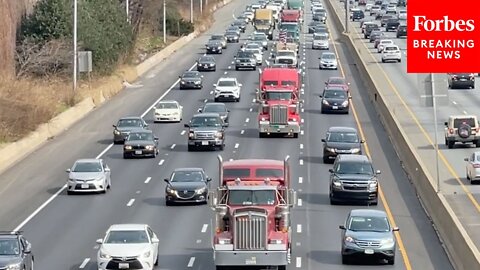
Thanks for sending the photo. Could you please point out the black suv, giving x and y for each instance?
(15, 251)
(392, 24)
(369, 28)
(245, 60)
(401, 31)
(353, 179)
(357, 15)
(341, 140)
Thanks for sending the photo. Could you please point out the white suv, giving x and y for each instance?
(391, 53)
(320, 42)
(227, 89)
(128, 246)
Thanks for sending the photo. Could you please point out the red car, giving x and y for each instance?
(338, 82)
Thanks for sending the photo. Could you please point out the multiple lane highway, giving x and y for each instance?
(462, 196)
(63, 229)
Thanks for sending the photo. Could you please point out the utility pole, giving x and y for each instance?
(191, 11)
(75, 46)
(347, 17)
(164, 21)
(201, 6)
(432, 78)
(127, 9)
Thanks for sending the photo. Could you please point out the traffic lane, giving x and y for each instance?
(23, 177)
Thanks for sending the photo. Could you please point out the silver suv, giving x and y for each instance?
(15, 251)
(462, 128)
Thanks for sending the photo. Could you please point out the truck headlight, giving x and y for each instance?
(224, 241)
(200, 190)
(373, 186)
(16, 266)
(336, 183)
(219, 135)
(276, 241)
(104, 255)
(191, 135)
(128, 147)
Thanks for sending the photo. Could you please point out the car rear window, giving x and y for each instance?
(468, 121)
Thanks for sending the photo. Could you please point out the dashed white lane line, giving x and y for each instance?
(173, 146)
(211, 92)
(302, 120)
(84, 263)
(205, 100)
(191, 262)
(236, 146)
(242, 131)
(298, 262)
(225, 72)
(299, 202)
(454, 102)
(229, 67)
(301, 132)
(300, 161)
(253, 100)
(247, 120)
(299, 228)
(199, 241)
(303, 110)
(250, 110)
(130, 203)
(465, 112)
(204, 228)
(104, 151)
(300, 179)
(161, 162)
(233, 62)
(301, 146)
(182, 133)
(148, 180)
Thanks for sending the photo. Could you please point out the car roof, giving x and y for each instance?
(214, 104)
(87, 160)
(358, 158)
(167, 101)
(336, 78)
(127, 227)
(131, 118)
(227, 79)
(188, 169)
(141, 131)
(206, 115)
(342, 129)
(367, 212)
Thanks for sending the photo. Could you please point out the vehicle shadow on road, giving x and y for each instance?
(313, 159)
(178, 148)
(326, 256)
(315, 198)
(105, 141)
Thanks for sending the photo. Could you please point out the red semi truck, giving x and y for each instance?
(291, 15)
(252, 214)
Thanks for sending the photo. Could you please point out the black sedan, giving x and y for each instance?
(461, 80)
(191, 80)
(232, 36)
(335, 99)
(240, 24)
(187, 185)
(140, 144)
(216, 107)
(206, 63)
(214, 46)
(340, 140)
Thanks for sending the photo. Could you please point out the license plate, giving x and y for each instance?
(279, 126)
(138, 152)
(369, 251)
(335, 107)
(123, 265)
(251, 261)
(463, 79)
(85, 185)
(204, 142)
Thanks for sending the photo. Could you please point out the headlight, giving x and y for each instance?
(191, 135)
(386, 241)
(345, 103)
(128, 147)
(349, 239)
(147, 254)
(171, 191)
(182, 82)
(219, 135)
(104, 255)
(201, 190)
(373, 185)
(212, 64)
(355, 150)
(238, 61)
(116, 132)
(325, 102)
(219, 48)
(330, 149)
(15, 266)
(224, 241)
(337, 183)
(197, 82)
(149, 147)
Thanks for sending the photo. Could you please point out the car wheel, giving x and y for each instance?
(383, 60)
(262, 134)
(254, 68)
(282, 267)
(156, 260)
(468, 177)
(69, 192)
(222, 147)
(190, 148)
(451, 144)
(168, 203)
(345, 259)
(326, 159)
(236, 68)
(477, 143)
(391, 261)
(295, 135)
(333, 201)
(375, 202)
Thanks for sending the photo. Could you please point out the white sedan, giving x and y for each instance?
(473, 167)
(383, 43)
(167, 111)
(391, 53)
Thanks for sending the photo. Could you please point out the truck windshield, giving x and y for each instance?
(279, 95)
(251, 197)
(286, 54)
(262, 22)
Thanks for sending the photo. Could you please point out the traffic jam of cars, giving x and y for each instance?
(270, 33)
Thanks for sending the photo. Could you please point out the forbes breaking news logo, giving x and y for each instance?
(443, 38)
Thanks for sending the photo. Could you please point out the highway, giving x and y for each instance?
(463, 197)
(63, 229)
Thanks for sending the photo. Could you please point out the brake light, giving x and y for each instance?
(450, 130)
(476, 165)
(454, 77)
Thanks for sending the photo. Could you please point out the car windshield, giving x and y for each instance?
(187, 176)
(328, 56)
(347, 137)
(244, 55)
(127, 237)
(320, 37)
(391, 48)
(206, 59)
(129, 123)
(190, 75)
(336, 81)
(369, 224)
(231, 33)
(340, 94)
(215, 108)
(216, 37)
(87, 167)
(9, 247)
(251, 197)
(140, 136)
(259, 38)
(228, 83)
(167, 105)
(203, 121)
(279, 95)
(354, 168)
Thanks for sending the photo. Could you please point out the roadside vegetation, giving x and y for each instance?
(36, 83)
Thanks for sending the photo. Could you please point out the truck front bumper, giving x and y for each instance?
(251, 258)
(290, 127)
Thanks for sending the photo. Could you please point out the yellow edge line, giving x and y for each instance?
(417, 122)
(401, 246)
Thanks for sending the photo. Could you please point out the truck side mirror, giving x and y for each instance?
(323, 140)
(292, 197)
(186, 125)
(466, 159)
(446, 124)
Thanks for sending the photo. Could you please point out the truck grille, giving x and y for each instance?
(250, 232)
(368, 243)
(355, 185)
(278, 114)
(204, 135)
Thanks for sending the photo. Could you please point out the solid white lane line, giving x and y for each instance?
(104, 151)
(183, 132)
(247, 120)
(161, 162)
(298, 262)
(148, 180)
(84, 263)
(130, 203)
(299, 202)
(191, 262)
(242, 131)
(301, 146)
(204, 228)
(173, 146)
(236, 145)
(300, 179)
(300, 161)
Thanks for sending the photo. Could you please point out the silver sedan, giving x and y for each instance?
(473, 167)
(88, 175)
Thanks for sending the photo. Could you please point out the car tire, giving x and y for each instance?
(375, 202)
(168, 203)
(262, 134)
(254, 68)
(69, 192)
(346, 259)
(450, 144)
(295, 135)
(190, 148)
(383, 60)
(125, 156)
(477, 143)
(236, 68)
(391, 261)
(326, 160)
(282, 267)
(156, 261)
(333, 201)
(215, 99)
(399, 60)
(467, 176)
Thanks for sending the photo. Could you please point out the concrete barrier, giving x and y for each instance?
(461, 250)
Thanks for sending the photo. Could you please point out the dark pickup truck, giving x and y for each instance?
(401, 31)
(392, 24)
